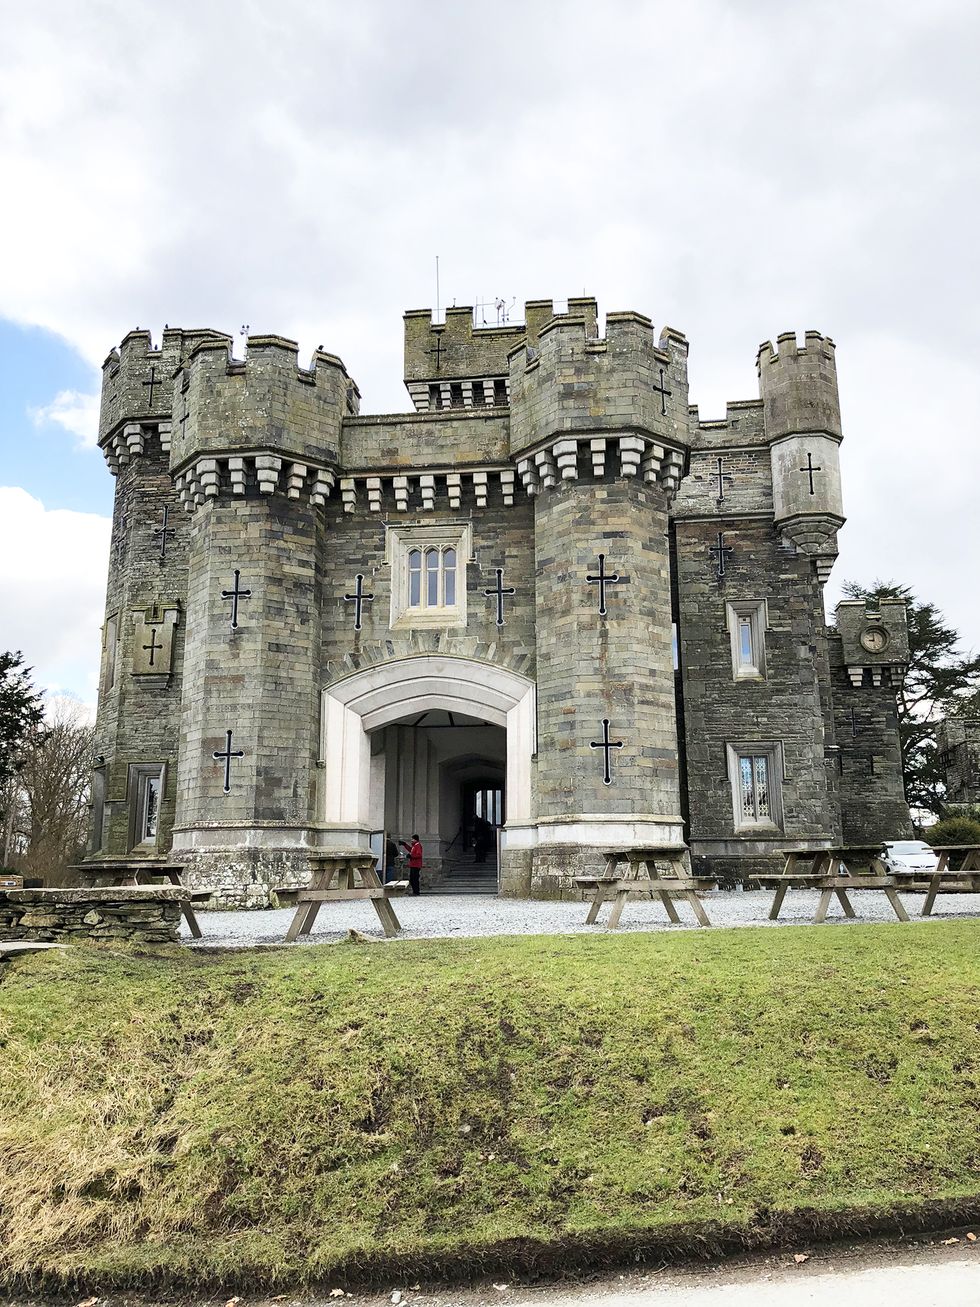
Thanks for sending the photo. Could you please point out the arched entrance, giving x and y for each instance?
(358, 709)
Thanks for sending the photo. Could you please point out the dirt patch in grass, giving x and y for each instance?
(471, 1106)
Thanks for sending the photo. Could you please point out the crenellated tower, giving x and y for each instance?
(599, 434)
(801, 412)
(134, 777)
(255, 455)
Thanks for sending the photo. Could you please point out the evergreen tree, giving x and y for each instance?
(20, 716)
(941, 681)
(20, 711)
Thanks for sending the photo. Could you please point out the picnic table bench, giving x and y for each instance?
(642, 877)
(340, 875)
(827, 870)
(942, 879)
(143, 873)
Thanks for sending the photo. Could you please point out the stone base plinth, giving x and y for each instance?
(149, 915)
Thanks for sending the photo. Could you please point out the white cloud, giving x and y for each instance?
(734, 170)
(74, 411)
(53, 566)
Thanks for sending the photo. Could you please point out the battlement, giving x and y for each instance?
(788, 348)
(798, 385)
(138, 379)
(626, 332)
(627, 381)
(265, 403)
(444, 359)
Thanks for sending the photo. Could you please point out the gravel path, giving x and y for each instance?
(440, 916)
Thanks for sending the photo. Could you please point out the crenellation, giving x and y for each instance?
(307, 606)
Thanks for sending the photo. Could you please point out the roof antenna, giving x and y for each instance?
(437, 288)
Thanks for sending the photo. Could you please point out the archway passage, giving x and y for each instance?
(436, 774)
(374, 726)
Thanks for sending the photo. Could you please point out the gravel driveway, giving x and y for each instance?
(439, 916)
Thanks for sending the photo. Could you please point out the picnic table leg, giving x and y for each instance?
(892, 896)
(617, 908)
(671, 910)
(777, 902)
(596, 904)
(822, 906)
(845, 903)
(191, 918)
(299, 924)
(930, 902)
(697, 908)
(386, 915)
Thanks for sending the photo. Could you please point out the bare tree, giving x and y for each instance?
(50, 808)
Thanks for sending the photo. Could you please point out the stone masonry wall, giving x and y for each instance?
(409, 441)
(352, 543)
(872, 791)
(616, 666)
(257, 679)
(105, 915)
(139, 711)
(785, 708)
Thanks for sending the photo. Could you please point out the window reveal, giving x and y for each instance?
(145, 795)
(149, 810)
(745, 642)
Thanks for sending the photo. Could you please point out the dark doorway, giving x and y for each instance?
(483, 813)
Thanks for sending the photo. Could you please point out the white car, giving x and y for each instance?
(909, 855)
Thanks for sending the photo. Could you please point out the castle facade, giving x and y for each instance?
(550, 599)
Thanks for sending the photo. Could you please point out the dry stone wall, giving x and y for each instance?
(107, 915)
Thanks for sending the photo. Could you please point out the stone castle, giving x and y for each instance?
(550, 597)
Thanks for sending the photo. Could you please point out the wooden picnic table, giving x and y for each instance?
(826, 870)
(343, 875)
(942, 880)
(142, 873)
(642, 877)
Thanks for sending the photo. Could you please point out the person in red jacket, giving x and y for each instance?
(414, 862)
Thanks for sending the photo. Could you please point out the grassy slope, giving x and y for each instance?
(283, 1115)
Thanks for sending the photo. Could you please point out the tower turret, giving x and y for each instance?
(264, 421)
(798, 387)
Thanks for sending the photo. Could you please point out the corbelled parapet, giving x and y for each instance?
(137, 390)
(583, 405)
(265, 422)
(801, 412)
(455, 364)
(874, 639)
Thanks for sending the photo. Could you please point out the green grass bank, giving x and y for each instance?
(446, 1108)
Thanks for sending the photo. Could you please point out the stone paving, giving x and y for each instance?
(457, 916)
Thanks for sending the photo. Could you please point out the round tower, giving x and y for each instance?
(599, 427)
(801, 411)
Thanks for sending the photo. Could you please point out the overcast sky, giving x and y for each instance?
(733, 169)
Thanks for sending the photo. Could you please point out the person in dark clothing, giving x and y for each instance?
(482, 839)
(414, 863)
(391, 859)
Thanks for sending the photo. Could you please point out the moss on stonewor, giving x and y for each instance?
(274, 1117)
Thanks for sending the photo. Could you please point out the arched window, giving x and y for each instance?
(414, 578)
(432, 577)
